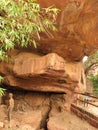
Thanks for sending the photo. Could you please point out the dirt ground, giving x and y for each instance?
(45, 113)
(29, 120)
(69, 121)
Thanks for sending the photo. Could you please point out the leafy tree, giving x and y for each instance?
(90, 66)
(21, 22)
(94, 79)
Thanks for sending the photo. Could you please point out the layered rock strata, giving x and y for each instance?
(56, 66)
(49, 73)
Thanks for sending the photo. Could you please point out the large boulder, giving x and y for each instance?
(49, 73)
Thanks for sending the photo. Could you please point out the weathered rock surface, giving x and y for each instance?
(68, 121)
(31, 110)
(76, 36)
(40, 111)
(77, 25)
(56, 65)
(51, 64)
(50, 73)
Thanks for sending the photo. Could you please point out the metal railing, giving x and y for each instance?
(90, 99)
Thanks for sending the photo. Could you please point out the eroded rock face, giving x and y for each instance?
(40, 111)
(49, 73)
(31, 110)
(54, 67)
(77, 25)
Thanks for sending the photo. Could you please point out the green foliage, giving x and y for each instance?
(1, 89)
(22, 21)
(94, 79)
(1, 79)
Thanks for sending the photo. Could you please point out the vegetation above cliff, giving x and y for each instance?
(21, 23)
(90, 68)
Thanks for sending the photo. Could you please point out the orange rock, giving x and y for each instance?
(77, 29)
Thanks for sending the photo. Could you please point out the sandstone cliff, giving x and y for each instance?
(55, 66)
